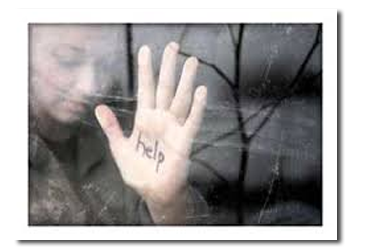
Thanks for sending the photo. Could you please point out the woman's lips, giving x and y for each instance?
(76, 106)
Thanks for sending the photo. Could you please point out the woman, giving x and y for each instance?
(83, 176)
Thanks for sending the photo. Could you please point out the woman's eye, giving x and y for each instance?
(69, 63)
(67, 58)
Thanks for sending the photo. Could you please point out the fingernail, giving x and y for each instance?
(201, 92)
(174, 46)
(144, 53)
(99, 110)
(193, 61)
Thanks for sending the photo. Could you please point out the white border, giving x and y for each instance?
(326, 232)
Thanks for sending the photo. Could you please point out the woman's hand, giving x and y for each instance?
(154, 159)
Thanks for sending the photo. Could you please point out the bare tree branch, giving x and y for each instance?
(130, 59)
(243, 165)
(233, 40)
(292, 86)
(303, 66)
(274, 104)
(211, 169)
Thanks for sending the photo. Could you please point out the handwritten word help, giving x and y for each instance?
(150, 152)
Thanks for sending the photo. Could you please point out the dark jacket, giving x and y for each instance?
(88, 190)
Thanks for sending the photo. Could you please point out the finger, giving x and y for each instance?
(195, 117)
(110, 125)
(181, 103)
(166, 82)
(146, 80)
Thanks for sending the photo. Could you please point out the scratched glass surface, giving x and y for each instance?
(257, 158)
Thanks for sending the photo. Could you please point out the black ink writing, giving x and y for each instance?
(150, 152)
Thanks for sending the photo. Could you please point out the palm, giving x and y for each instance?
(153, 160)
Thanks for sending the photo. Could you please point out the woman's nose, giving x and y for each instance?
(86, 84)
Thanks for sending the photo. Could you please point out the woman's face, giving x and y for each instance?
(70, 68)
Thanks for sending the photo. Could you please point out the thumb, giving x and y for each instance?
(110, 125)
